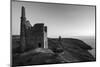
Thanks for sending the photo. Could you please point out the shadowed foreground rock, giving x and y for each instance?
(37, 56)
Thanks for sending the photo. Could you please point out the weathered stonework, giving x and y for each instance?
(32, 37)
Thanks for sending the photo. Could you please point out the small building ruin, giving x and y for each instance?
(32, 37)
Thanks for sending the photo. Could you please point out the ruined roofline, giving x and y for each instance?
(23, 15)
(38, 24)
(27, 22)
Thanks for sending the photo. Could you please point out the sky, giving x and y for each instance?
(64, 20)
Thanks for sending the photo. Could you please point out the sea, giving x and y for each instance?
(90, 40)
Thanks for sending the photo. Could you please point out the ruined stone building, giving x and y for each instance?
(32, 37)
(58, 50)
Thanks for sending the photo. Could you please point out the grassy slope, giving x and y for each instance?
(75, 50)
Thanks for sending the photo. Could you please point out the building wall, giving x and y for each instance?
(35, 36)
(45, 37)
(32, 37)
(22, 34)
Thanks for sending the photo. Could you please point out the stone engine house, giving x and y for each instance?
(32, 37)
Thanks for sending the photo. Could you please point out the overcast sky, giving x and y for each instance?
(64, 20)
